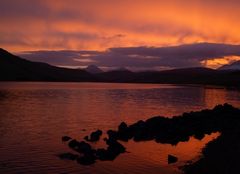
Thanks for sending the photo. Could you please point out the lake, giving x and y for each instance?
(34, 116)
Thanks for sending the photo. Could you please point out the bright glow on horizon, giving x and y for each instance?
(218, 62)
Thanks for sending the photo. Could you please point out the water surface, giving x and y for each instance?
(34, 116)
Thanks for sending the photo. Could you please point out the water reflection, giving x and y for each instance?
(157, 153)
(33, 117)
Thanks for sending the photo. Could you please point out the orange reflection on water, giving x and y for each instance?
(157, 153)
(41, 113)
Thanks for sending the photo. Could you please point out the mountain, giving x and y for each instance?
(93, 69)
(117, 75)
(232, 66)
(121, 69)
(196, 75)
(14, 68)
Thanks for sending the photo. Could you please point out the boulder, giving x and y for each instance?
(122, 127)
(66, 138)
(68, 156)
(87, 159)
(81, 147)
(95, 136)
(172, 159)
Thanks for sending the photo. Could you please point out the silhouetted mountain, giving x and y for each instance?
(184, 76)
(14, 68)
(233, 66)
(93, 69)
(118, 75)
(121, 69)
(196, 75)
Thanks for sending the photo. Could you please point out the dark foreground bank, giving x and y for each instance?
(219, 156)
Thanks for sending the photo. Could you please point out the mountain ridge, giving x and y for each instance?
(14, 68)
(93, 69)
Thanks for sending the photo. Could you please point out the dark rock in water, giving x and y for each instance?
(106, 154)
(102, 154)
(86, 138)
(95, 136)
(115, 146)
(223, 119)
(112, 134)
(66, 138)
(113, 150)
(68, 156)
(87, 159)
(81, 147)
(199, 136)
(123, 132)
(73, 143)
(172, 159)
(122, 127)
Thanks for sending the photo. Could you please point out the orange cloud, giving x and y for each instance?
(90, 25)
(218, 62)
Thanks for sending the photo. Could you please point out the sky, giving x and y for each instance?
(129, 33)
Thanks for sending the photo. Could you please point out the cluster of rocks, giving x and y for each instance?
(87, 155)
(179, 128)
(222, 118)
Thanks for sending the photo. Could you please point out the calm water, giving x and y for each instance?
(34, 116)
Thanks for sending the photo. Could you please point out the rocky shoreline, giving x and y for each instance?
(219, 156)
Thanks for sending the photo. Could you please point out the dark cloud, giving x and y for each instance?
(59, 58)
(23, 9)
(138, 57)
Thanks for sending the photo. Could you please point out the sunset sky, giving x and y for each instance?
(138, 34)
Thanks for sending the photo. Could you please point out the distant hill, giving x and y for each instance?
(121, 69)
(14, 68)
(196, 75)
(232, 66)
(118, 75)
(93, 69)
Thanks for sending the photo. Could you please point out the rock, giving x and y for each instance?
(81, 147)
(68, 156)
(122, 127)
(115, 146)
(103, 154)
(199, 136)
(172, 159)
(86, 138)
(113, 150)
(223, 118)
(73, 143)
(95, 136)
(112, 134)
(66, 138)
(87, 159)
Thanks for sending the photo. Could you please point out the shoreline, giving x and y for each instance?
(222, 118)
